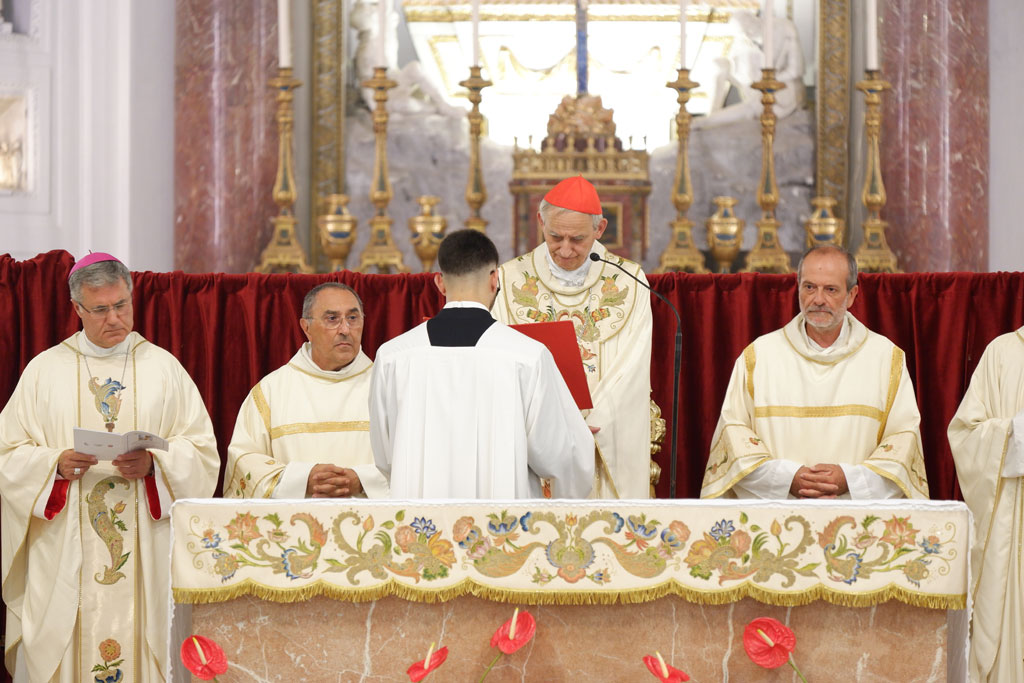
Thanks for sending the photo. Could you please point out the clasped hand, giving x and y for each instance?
(331, 481)
(819, 481)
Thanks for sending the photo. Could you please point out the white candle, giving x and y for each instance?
(284, 34)
(768, 32)
(382, 42)
(682, 33)
(476, 32)
(871, 35)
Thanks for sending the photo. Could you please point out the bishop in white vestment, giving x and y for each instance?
(987, 440)
(86, 542)
(820, 408)
(312, 411)
(612, 316)
(461, 406)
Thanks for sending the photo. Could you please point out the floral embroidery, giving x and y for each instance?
(109, 527)
(108, 671)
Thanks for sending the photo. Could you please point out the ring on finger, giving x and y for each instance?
(78, 470)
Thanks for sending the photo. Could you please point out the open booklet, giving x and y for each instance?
(560, 338)
(109, 445)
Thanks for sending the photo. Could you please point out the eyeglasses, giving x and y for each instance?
(102, 311)
(333, 321)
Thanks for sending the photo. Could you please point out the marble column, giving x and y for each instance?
(225, 149)
(935, 132)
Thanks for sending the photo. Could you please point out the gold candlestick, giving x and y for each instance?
(427, 230)
(767, 256)
(725, 233)
(874, 255)
(681, 254)
(284, 254)
(337, 230)
(476, 192)
(822, 226)
(381, 250)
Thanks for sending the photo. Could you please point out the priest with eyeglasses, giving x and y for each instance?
(86, 540)
(303, 431)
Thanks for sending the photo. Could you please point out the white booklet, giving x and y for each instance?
(109, 445)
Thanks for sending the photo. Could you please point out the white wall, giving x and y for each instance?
(1006, 135)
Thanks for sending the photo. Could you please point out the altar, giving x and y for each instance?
(359, 590)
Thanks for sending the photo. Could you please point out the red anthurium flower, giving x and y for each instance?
(514, 633)
(203, 657)
(419, 670)
(768, 642)
(665, 673)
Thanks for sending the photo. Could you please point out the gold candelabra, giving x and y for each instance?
(874, 255)
(476, 191)
(381, 251)
(767, 256)
(427, 231)
(337, 230)
(725, 233)
(681, 254)
(822, 226)
(284, 254)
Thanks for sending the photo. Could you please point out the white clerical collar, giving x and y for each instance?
(90, 349)
(839, 343)
(466, 304)
(569, 278)
(304, 357)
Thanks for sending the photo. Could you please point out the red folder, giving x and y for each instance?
(560, 338)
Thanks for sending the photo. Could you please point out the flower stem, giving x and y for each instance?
(792, 663)
(491, 666)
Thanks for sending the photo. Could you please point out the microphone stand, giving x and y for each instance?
(675, 375)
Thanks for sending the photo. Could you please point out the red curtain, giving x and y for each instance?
(228, 331)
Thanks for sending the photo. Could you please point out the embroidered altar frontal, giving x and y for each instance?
(783, 553)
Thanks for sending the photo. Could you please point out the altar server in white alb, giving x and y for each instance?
(822, 408)
(86, 542)
(304, 430)
(612, 316)
(987, 439)
(465, 407)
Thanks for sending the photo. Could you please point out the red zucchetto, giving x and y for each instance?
(575, 194)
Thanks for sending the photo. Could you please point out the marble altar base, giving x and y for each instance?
(373, 642)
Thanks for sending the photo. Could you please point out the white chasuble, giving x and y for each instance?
(85, 563)
(296, 417)
(612, 316)
(851, 405)
(984, 439)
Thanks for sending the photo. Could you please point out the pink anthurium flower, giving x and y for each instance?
(665, 673)
(511, 636)
(203, 657)
(419, 670)
(770, 643)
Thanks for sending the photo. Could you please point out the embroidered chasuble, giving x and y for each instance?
(853, 405)
(299, 416)
(987, 440)
(612, 316)
(484, 417)
(85, 568)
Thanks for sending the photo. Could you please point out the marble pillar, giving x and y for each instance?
(935, 132)
(225, 147)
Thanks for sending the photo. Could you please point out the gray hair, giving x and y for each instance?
(100, 274)
(548, 212)
(310, 298)
(851, 263)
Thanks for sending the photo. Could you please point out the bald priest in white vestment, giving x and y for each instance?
(822, 408)
(304, 430)
(86, 542)
(612, 316)
(987, 440)
(464, 407)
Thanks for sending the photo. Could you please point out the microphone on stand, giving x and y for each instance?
(675, 374)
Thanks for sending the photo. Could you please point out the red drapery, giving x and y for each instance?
(230, 330)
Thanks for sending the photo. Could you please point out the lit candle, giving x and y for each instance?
(476, 32)
(284, 34)
(768, 34)
(682, 33)
(382, 42)
(871, 35)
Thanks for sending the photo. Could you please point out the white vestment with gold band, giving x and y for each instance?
(852, 405)
(85, 571)
(299, 416)
(612, 316)
(987, 440)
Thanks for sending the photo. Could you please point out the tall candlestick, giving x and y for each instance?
(682, 33)
(382, 42)
(871, 35)
(768, 32)
(476, 32)
(284, 34)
